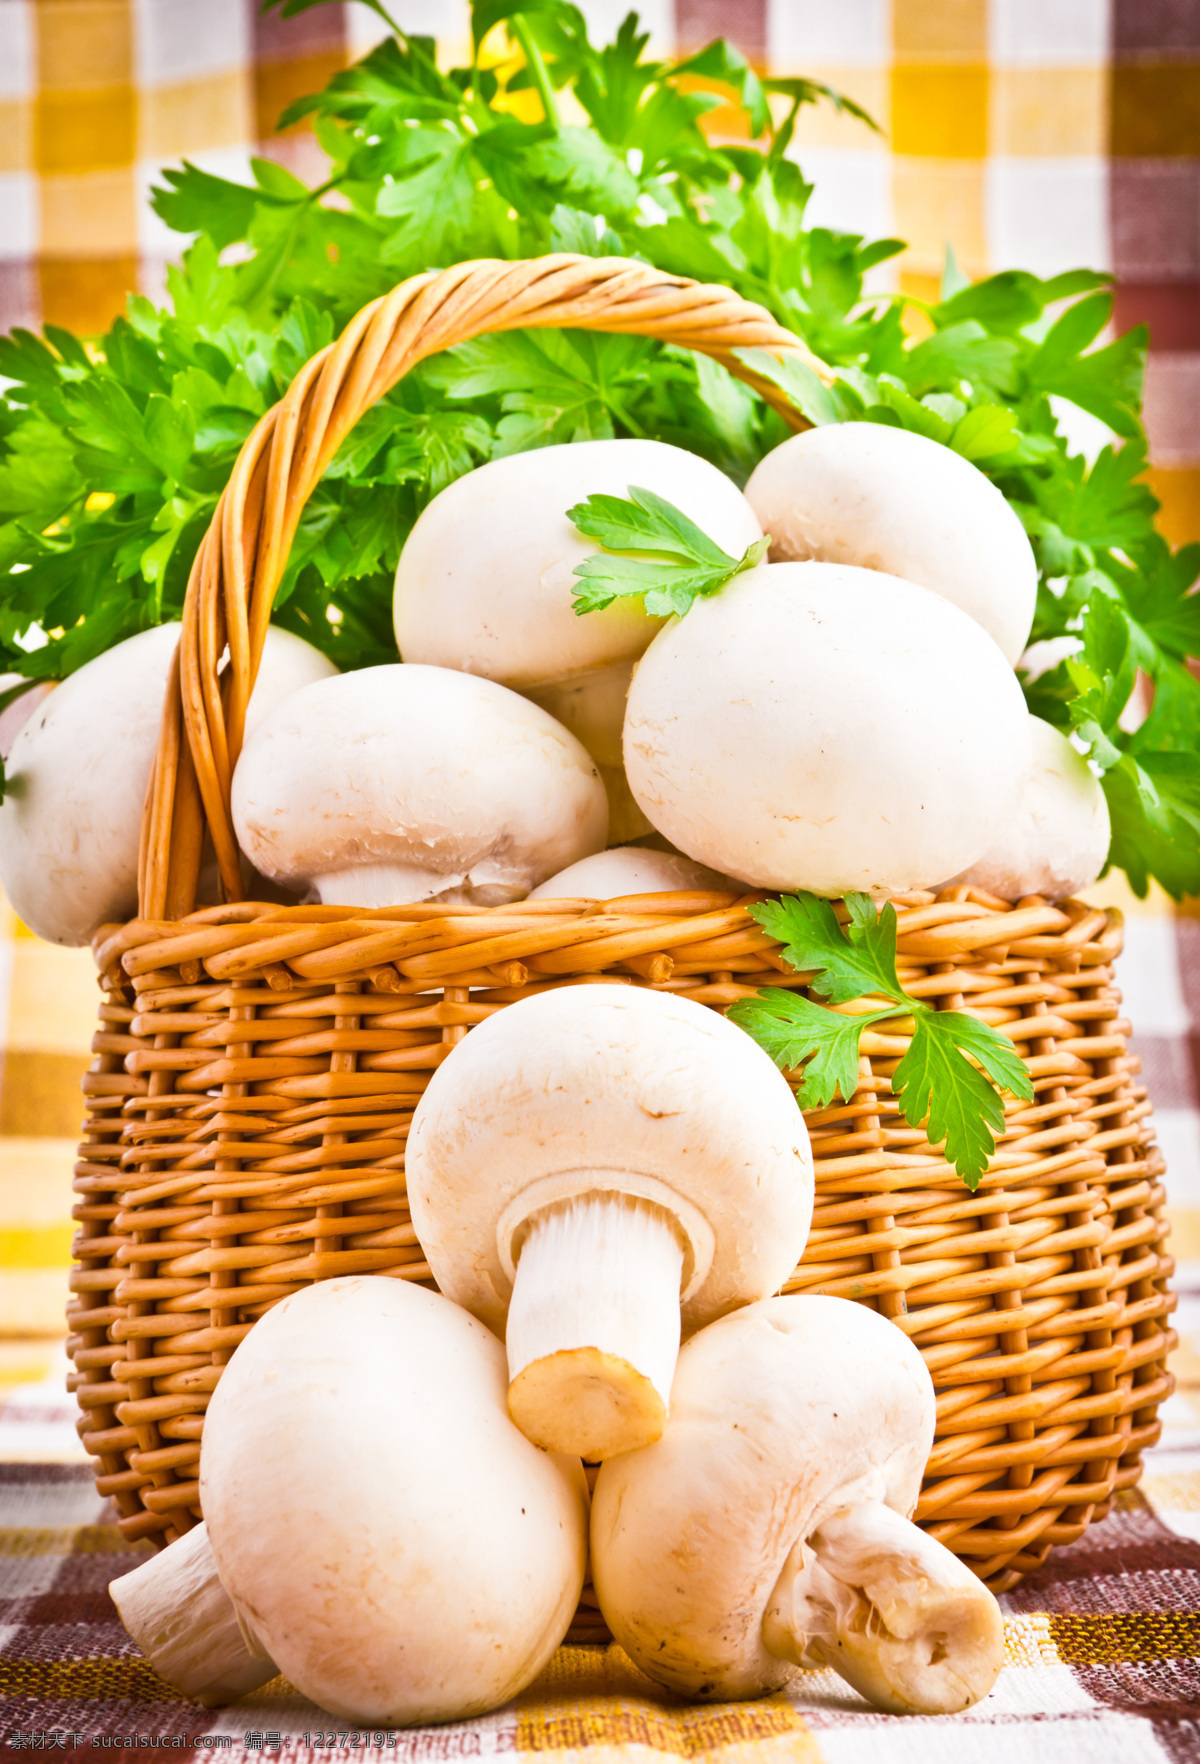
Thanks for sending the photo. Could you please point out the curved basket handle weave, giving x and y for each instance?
(243, 555)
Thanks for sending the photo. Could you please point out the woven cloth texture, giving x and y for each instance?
(1035, 133)
(1102, 1646)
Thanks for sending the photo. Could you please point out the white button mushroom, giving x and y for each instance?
(862, 493)
(631, 869)
(768, 1528)
(379, 1527)
(825, 727)
(404, 783)
(644, 1154)
(78, 774)
(1058, 838)
(15, 715)
(486, 579)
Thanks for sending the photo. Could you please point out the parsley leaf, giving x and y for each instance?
(941, 1090)
(947, 1080)
(794, 1030)
(845, 964)
(650, 548)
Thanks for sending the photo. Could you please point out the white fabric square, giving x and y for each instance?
(177, 40)
(1047, 215)
(604, 18)
(1049, 33)
(1149, 978)
(853, 191)
(852, 33)
(18, 212)
(18, 72)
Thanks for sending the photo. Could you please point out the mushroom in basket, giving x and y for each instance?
(1057, 841)
(632, 869)
(409, 783)
(887, 499)
(375, 1526)
(587, 1162)
(826, 727)
(503, 609)
(768, 1528)
(78, 771)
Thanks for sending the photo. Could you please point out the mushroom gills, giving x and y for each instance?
(594, 1324)
(891, 1610)
(176, 1609)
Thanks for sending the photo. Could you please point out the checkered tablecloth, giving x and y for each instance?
(1041, 134)
(1102, 1647)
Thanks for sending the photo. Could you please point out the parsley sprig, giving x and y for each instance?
(948, 1081)
(650, 548)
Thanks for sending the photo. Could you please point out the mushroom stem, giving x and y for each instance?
(184, 1621)
(891, 1610)
(593, 1327)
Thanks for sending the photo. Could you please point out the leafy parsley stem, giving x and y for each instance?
(537, 67)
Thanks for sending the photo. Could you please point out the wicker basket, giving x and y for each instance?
(257, 1066)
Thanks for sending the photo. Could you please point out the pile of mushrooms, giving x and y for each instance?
(396, 1515)
(611, 1183)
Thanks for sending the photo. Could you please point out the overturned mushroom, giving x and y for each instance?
(768, 1528)
(78, 772)
(1057, 839)
(376, 1524)
(819, 726)
(889, 500)
(631, 869)
(503, 609)
(648, 1156)
(406, 783)
(184, 1621)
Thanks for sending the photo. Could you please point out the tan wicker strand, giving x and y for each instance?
(256, 1067)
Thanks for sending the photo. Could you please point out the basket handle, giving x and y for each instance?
(242, 556)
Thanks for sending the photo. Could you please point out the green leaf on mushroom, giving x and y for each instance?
(651, 548)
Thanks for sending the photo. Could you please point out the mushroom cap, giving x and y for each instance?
(821, 726)
(1058, 837)
(79, 770)
(288, 664)
(889, 500)
(630, 869)
(391, 1539)
(781, 1414)
(423, 769)
(610, 1088)
(17, 714)
(486, 577)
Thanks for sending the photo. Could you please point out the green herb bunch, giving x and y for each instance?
(112, 455)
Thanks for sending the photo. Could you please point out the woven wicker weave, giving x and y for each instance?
(257, 1066)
